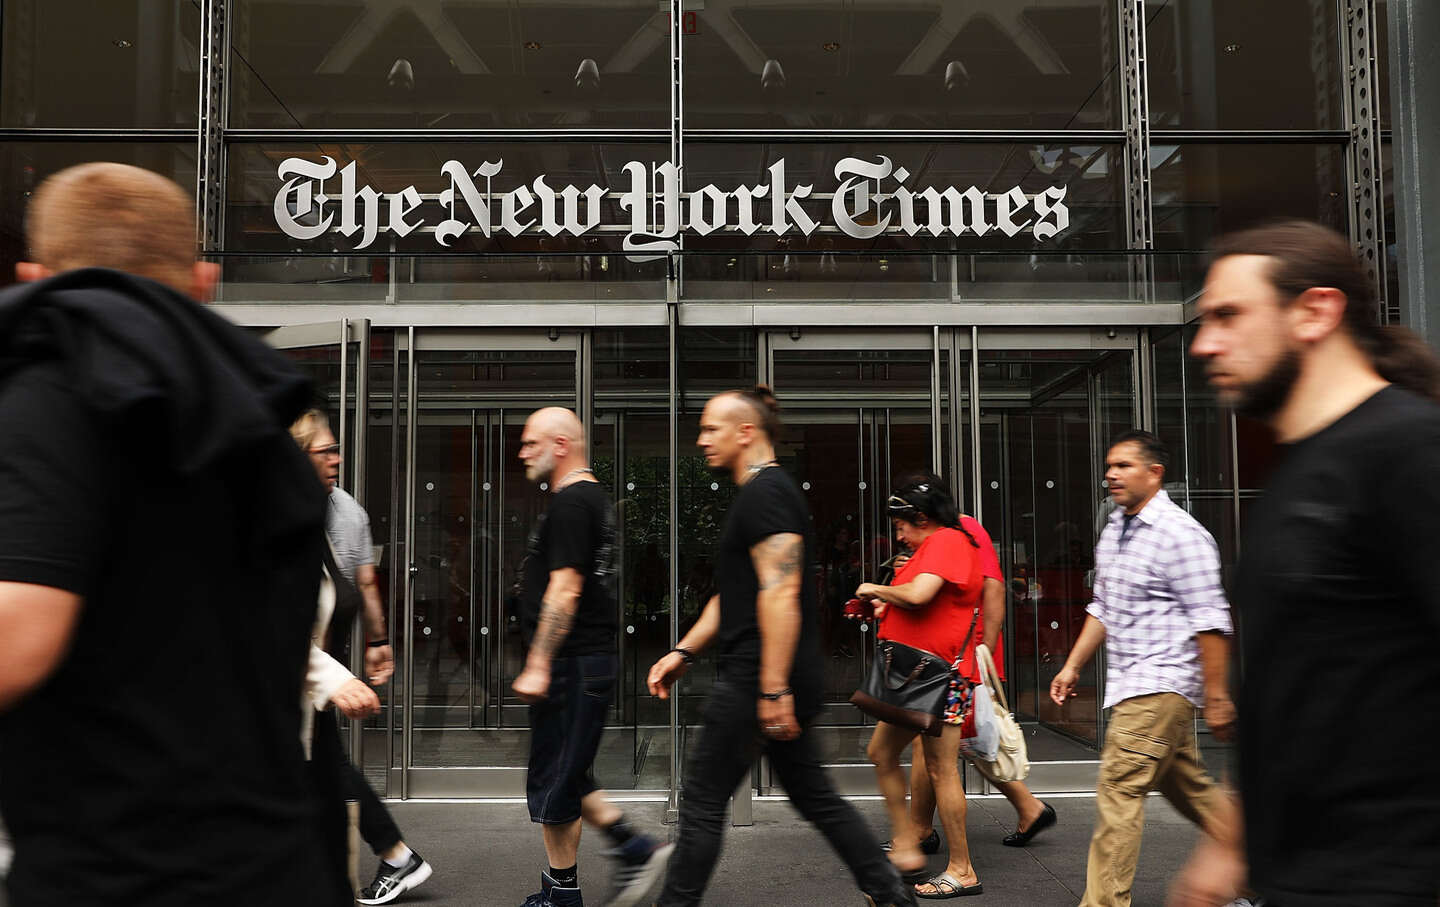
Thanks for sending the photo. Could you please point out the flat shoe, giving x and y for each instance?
(947, 886)
(1046, 819)
(930, 846)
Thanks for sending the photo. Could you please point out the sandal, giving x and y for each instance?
(947, 886)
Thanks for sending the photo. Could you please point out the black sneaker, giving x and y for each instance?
(552, 895)
(639, 864)
(390, 882)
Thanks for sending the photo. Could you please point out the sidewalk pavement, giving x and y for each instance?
(489, 855)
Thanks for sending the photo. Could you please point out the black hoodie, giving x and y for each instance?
(145, 464)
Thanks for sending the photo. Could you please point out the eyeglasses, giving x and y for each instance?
(332, 451)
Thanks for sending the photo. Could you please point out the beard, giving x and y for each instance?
(720, 470)
(540, 468)
(1263, 398)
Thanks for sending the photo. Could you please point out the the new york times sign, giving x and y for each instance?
(872, 198)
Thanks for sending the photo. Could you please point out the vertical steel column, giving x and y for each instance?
(399, 576)
(361, 329)
(975, 478)
(1142, 371)
(1139, 222)
(1362, 119)
(474, 545)
(412, 406)
(672, 305)
(937, 423)
(1414, 33)
(210, 140)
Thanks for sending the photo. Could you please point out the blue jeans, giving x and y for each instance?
(728, 746)
(565, 734)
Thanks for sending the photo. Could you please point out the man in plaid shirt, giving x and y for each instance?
(1159, 605)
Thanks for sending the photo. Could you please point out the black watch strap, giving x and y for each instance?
(685, 653)
(778, 694)
(377, 643)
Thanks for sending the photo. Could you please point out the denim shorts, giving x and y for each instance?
(565, 734)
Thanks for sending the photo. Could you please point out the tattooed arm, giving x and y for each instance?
(557, 616)
(779, 563)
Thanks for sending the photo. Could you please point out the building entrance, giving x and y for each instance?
(1015, 421)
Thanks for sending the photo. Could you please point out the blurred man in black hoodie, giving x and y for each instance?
(159, 536)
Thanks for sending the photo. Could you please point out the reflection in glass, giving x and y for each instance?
(874, 64)
(1202, 190)
(1046, 420)
(118, 63)
(379, 63)
(1209, 58)
(24, 165)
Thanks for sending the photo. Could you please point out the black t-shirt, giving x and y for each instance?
(577, 530)
(769, 504)
(1338, 602)
(160, 764)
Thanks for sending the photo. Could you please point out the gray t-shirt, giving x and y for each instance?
(348, 526)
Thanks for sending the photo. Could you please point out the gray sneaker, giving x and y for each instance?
(639, 866)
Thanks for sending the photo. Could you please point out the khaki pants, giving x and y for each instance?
(1150, 746)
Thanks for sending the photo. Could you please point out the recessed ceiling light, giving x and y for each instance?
(122, 43)
(1232, 48)
(532, 45)
(831, 46)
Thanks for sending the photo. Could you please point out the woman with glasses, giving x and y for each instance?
(933, 604)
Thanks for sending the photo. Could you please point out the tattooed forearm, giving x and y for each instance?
(554, 626)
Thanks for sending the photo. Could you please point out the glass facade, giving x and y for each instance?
(920, 222)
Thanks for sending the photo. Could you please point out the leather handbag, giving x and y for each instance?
(1012, 759)
(907, 687)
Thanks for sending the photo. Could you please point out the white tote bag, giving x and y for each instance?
(1011, 761)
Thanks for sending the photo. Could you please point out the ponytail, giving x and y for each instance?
(1403, 359)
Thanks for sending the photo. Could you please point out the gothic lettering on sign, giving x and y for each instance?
(872, 198)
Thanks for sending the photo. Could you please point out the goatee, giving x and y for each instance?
(1263, 398)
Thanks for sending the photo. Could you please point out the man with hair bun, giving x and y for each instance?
(1336, 586)
(160, 543)
(769, 688)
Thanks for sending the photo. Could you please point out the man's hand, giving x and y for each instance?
(1220, 716)
(663, 674)
(533, 684)
(1063, 686)
(379, 664)
(1214, 876)
(356, 700)
(777, 717)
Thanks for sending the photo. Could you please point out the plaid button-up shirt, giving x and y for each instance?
(1154, 590)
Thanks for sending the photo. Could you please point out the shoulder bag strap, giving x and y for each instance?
(990, 675)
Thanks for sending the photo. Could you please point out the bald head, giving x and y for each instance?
(552, 444)
(558, 422)
(113, 216)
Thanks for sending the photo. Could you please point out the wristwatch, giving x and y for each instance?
(777, 695)
(685, 654)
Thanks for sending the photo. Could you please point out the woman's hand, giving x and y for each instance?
(868, 590)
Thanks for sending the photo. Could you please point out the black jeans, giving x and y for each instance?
(728, 746)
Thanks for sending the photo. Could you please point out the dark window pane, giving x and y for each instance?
(1239, 64)
(1392, 232)
(24, 165)
(1382, 59)
(372, 63)
(120, 63)
(935, 64)
(1202, 190)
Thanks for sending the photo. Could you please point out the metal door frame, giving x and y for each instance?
(344, 332)
(472, 780)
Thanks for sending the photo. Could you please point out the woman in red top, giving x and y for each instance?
(934, 605)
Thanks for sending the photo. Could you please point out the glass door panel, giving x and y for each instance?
(464, 732)
(859, 417)
(1046, 417)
